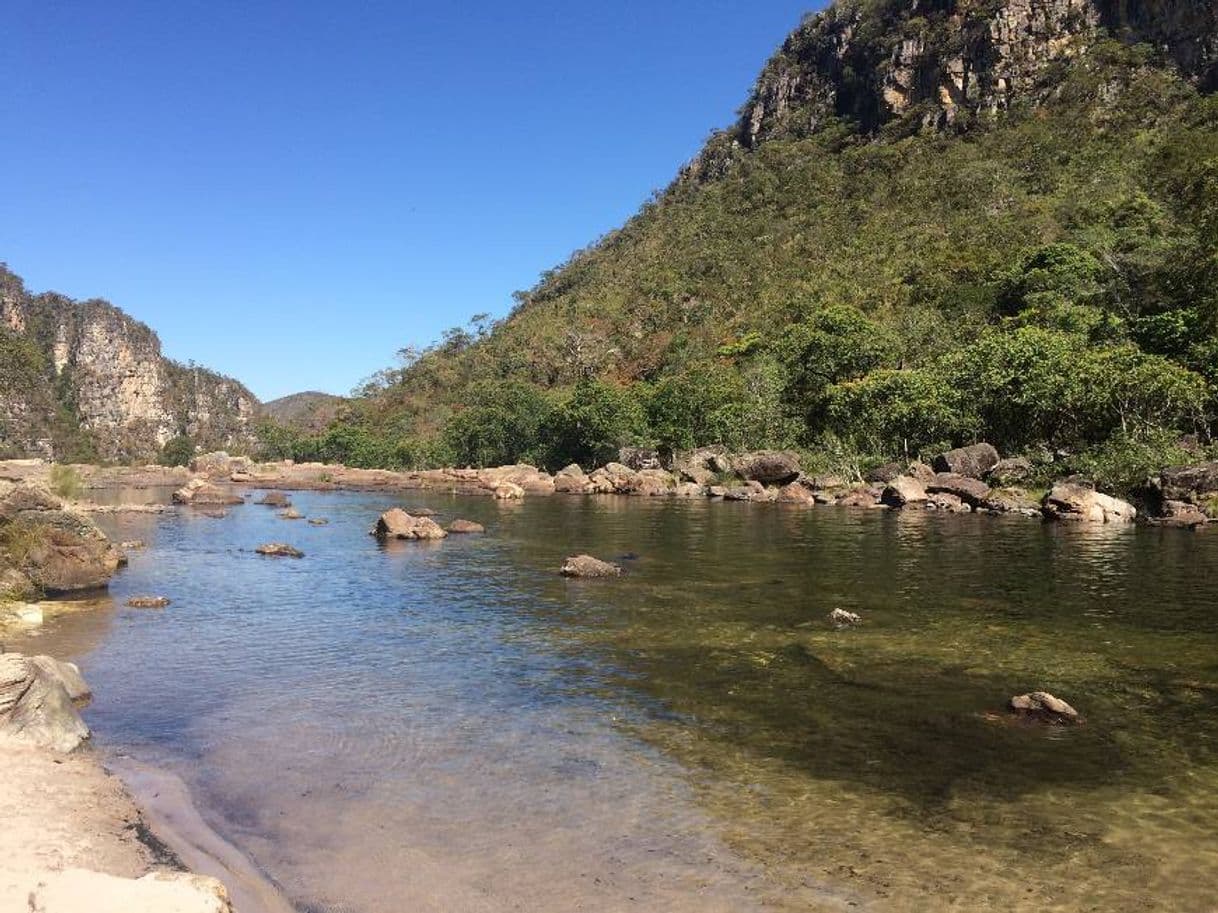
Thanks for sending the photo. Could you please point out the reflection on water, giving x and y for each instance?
(453, 727)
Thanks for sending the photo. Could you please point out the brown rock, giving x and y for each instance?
(275, 499)
(587, 566)
(148, 602)
(796, 493)
(279, 550)
(1043, 706)
(903, 490)
(969, 490)
(769, 467)
(466, 526)
(198, 493)
(397, 524)
(973, 462)
(1072, 502)
(1009, 472)
(866, 496)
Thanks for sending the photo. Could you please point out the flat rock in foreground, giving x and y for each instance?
(587, 566)
(36, 702)
(77, 890)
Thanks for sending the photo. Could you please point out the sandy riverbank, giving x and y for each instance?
(76, 838)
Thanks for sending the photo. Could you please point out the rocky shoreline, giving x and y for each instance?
(971, 479)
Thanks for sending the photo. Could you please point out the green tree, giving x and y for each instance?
(591, 424)
(178, 451)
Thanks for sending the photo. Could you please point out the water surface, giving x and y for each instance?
(452, 726)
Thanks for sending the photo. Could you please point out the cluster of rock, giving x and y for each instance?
(965, 480)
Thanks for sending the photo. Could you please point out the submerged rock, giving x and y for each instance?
(148, 602)
(319, 521)
(508, 491)
(1073, 502)
(397, 524)
(36, 701)
(1043, 706)
(279, 550)
(587, 566)
(465, 526)
(275, 499)
(290, 514)
(840, 618)
(132, 545)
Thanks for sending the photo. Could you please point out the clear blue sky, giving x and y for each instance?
(289, 192)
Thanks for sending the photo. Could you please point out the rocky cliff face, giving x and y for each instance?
(88, 377)
(939, 63)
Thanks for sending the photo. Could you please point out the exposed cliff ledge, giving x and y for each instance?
(938, 63)
(85, 376)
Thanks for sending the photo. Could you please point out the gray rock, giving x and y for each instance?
(1072, 502)
(36, 705)
(587, 566)
(974, 461)
(903, 490)
(769, 467)
(279, 550)
(1043, 706)
(1009, 472)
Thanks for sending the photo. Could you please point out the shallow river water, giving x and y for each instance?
(453, 727)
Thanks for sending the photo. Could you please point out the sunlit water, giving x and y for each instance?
(453, 727)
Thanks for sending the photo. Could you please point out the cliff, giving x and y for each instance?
(82, 380)
(946, 63)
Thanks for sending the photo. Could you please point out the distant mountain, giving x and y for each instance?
(310, 411)
(81, 380)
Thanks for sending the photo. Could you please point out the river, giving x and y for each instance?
(453, 727)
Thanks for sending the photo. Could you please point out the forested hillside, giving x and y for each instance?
(933, 223)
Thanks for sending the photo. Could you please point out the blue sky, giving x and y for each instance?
(289, 192)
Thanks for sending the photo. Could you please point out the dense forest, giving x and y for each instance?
(864, 281)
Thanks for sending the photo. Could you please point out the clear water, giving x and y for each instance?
(452, 726)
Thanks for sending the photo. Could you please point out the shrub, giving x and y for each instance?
(502, 424)
(178, 451)
(591, 424)
(66, 482)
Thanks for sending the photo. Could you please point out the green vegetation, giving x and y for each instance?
(20, 539)
(66, 482)
(1046, 280)
(178, 451)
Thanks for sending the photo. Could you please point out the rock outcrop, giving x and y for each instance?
(1072, 502)
(90, 361)
(935, 65)
(55, 549)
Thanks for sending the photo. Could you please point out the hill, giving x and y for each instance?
(932, 223)
(310, 411)
(81, 381)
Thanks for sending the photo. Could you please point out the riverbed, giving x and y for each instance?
(451, 726)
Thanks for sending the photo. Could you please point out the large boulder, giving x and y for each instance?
(201, 493)
(587, 566)
(883, 474)
(36, 701)
(796, 493)
(397, 524)
(769, 467)
(972, 492)
(650, 483)
(1181, 514)
(1189, 483)
(571, 480)
(702, 466)
(1073, 502)
(1009, 472)
(639, 458)
(973, 462)
(902, 491)
(56, 550)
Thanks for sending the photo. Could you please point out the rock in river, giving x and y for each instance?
(973, 462)
(279, 550)
(148, 602)
(840, 618)
(397, 524)
(466, 526)
(275, 499)
(587, 566)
